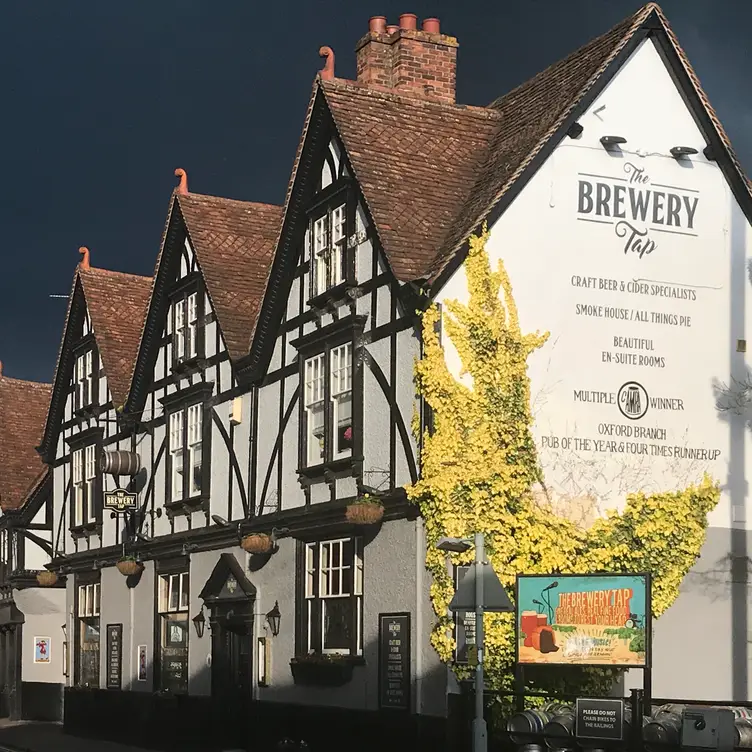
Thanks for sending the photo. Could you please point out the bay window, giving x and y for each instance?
(185, 440)
(85, 485)
(172, 615)
(328, 250)
(185, 321)
(88, 627)
(328, 405)
(85, 370)
(332, 610)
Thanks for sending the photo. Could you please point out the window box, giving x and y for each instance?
(365, 510)
(128, 566)
(322, 670)
(256, 543)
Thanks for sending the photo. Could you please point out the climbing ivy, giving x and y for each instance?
(479, 469)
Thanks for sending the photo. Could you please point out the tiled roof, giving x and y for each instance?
(117, 305)
(432, 173)
(234, 242)
(416, 162)
(23, 409)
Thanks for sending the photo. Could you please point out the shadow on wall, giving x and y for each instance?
(193, 723)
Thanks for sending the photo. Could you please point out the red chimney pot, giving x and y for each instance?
(392, 28)
(408, 21)
(431, 26)
(377, 24)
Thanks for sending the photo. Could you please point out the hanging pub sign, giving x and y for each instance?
(120, 500)
(394, 661)
(585, 620)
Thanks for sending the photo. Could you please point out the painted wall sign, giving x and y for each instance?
(114, 656)
(120, 500)
(395, 678)
(599, 719)
(142, 663)
(583, 619)
(41, 650)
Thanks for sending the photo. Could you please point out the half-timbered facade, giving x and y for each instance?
(32, 638)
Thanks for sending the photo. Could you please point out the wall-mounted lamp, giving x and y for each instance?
(682, 151)
(199, 622)
(609, 142)
(273, 618)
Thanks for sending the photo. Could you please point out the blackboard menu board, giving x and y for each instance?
(394, 661)
(114, 655)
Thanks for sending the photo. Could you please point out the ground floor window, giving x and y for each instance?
(87, 645)
(173, 632)
(332, 610)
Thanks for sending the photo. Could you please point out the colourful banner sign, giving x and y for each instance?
(586, 620)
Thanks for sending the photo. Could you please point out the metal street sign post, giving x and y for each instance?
(480, 590)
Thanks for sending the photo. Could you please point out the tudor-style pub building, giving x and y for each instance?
(221, 501)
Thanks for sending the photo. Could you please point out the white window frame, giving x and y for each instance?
(174, 586)
(315, 382)
(89, 600)
(328, 246)
(186, 447)
(84, 379)
(84, 484)
(340, 365)
(88, 611)
(185, 320)
(318, 588)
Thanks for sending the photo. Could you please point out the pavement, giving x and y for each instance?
(20, 736)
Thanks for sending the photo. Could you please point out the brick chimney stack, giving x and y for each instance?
(410, 61)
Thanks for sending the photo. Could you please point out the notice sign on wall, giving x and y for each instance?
(114, 655)
(600, 719)
(394, 661)
(587, 620)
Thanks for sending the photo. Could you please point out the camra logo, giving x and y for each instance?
(632, 400)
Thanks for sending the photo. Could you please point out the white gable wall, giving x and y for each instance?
(667, 319)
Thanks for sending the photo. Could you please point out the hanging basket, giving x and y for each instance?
(256, 543)
(364, 512)
(129, 567)
(46, 578)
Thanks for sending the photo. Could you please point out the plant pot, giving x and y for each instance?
(256, 543)
(46, 578)
(364, 513)
(129, 567)
(321, 673)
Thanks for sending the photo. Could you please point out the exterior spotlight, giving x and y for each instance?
(454, 545)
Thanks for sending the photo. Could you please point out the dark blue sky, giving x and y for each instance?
(102, 100)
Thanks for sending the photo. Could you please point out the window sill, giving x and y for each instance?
(84, 531)
(187, 506)
(189, 366)
(331, 297)
(325, 470)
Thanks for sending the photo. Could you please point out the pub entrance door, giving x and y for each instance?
(230, 595)
(232, 640)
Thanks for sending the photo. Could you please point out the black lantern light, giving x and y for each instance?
(273, 618)
(199, 622)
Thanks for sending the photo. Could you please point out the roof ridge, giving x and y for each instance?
(25, 381)
(113, 272)
(225, 199)
(383, 92)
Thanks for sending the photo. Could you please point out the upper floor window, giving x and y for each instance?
(84, 377)
(186, 452)
(332, 618)
(186, 327)
(87, 644)
(85, 485)
(172, 613)
(328, 250)
(328, 405)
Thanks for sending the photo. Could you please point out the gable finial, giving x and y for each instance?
(327, 72)
(84, 263)
(182, 188)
